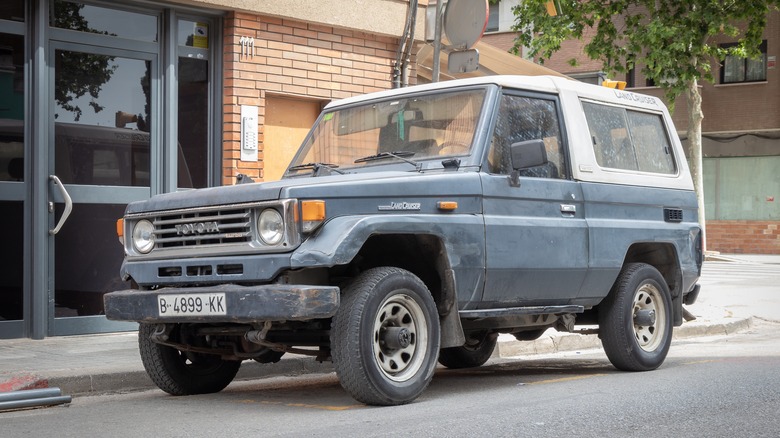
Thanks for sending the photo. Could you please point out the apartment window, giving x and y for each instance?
(735, 69)
(492, 25)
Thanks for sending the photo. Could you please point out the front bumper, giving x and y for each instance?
(242, 304)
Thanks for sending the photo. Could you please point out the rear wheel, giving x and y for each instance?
(635, 320)
(475, 352)
(385, 337)
(183, 373)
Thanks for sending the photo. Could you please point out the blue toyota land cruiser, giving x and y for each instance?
(415, 225)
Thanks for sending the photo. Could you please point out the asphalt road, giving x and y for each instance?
(716, 387)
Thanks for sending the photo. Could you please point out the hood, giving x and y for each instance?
(319, 187)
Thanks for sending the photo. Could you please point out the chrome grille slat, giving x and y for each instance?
(218, 226)
(199, 237)
(201, 218)
(221, 227)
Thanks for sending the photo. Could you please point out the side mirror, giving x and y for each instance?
(524, 155)
(529, 153)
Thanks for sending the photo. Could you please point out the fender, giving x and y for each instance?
(340, 239)
(463, 237)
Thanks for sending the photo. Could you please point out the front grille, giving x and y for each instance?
(203, 228)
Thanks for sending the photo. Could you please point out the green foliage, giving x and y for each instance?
(673, 41)
(78, 73)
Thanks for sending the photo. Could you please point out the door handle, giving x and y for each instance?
(568, 209)
(68, 204)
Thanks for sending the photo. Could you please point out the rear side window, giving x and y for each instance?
(629, 140)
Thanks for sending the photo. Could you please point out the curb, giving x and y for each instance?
(21, 382)
(129, 381)
(132, 379)
(555, 342)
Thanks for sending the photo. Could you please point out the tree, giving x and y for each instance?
(672, 41)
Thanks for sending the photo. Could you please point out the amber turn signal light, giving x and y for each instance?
(447, 205)
(312, 215)
(120, 230)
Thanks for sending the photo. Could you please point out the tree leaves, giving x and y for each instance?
(673, 42)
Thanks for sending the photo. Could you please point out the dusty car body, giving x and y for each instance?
(414, 226)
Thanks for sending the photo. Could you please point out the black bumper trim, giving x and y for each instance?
(243, 304)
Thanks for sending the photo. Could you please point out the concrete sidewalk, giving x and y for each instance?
(111, 362)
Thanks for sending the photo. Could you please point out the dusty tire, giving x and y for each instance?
(385, 337)
(477, 350)
(633, 339)
(181, 373)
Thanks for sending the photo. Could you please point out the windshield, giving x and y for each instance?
(420, 127)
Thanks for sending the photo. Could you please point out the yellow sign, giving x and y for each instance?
(200, 35)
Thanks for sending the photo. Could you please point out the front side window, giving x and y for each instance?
(629, 140)
(420, 127)
(735, 69)
(526, 118)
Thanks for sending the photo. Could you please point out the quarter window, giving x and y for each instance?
(629, 140)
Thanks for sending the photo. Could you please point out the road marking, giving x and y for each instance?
(564, 379)
(302, 405)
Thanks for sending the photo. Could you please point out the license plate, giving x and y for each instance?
(192, 304)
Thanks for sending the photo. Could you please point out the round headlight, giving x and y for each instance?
(270, 226)
(143, 236)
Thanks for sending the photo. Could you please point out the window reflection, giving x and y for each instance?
(12, 10)
(193, 74)
(102, 119)
(11, 107)
(193, 122)
(193, 34)
(11, 260)
(94, 19)
(87, 259)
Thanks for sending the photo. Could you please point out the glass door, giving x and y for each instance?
(12, 169)
(102, 155)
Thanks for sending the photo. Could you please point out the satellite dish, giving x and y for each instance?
(464, 23)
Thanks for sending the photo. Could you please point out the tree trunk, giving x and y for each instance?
(695, 117)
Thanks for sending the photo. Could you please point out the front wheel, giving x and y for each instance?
(385, 337)
(635, 320)
(183, 373)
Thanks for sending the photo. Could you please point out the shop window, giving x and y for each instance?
(193, 75)
(735, 69)
(12, 10)
(113, 22)
(12, 107)
(101, 119)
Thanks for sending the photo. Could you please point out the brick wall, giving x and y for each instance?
(743, 237)
(502, 40)
(294, 59)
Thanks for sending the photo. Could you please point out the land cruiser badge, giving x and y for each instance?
(400, 206)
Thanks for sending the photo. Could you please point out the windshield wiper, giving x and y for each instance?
(316, 167)
(396, 154)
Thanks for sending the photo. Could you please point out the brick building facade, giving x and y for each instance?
(295, 60)
(741, 139)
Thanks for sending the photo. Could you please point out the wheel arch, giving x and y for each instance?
(663, 257)
(424, 255)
